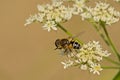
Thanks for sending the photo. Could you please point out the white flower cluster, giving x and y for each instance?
(78, 6)
(51, 14)
(88, 57)
(117, 0)
(102, 12)
(67, 63)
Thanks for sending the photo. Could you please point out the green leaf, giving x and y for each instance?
(117, 77)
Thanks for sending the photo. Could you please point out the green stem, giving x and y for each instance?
(112, 61)
(65, 30)
(111, 67)
(111, 45)
(100, 33)
(105, 40)
(69, 33)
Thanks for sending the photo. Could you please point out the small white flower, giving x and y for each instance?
(67, 64)
(95, 68)
(84, 58)
(105, 53)
(31, 19)
(50, 25)
(101, 5)
(57, 3)
(78, 61)
(41, 8)
(49, 7)
(117, 0)
(84, 67)
(67, 14)
(86, 15)
(78, 6)
(90, 62)
(40, 17)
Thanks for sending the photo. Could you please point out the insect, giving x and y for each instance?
(67, 44)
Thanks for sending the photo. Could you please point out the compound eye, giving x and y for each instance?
(76, 45)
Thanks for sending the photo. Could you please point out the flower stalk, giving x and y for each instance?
(106, 39)
(111, 45)
(68, 33)
(111, 67)
(112, 61)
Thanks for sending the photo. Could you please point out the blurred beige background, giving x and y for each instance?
(27, 53)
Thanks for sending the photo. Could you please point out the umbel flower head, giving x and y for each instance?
(117, 0)
(51, 14)
(101, 12)
(78, 6)
(88, 57)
